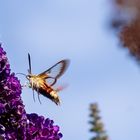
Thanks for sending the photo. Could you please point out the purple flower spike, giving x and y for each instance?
(15, 124)
(12, 114)
(41, 129)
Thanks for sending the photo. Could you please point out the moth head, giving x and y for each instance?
(28, 76)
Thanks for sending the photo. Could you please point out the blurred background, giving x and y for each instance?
(90, 34)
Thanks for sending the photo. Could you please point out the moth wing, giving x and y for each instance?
(50, 81)
(53, 73)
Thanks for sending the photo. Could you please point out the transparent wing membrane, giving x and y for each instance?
(50, 81)
(55, 71)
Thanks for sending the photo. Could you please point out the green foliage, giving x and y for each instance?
(97, 126)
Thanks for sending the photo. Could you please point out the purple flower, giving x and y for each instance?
(15, 124)
(41, 129)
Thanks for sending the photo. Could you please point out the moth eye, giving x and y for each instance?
(28, 76)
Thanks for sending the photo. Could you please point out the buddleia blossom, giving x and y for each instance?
(15, 123)
(39, 128)
(12, 113)
(97, 126)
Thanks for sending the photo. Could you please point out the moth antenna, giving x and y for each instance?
(29, 59)
(21, 74)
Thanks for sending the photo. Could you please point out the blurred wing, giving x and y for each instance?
(55, 71)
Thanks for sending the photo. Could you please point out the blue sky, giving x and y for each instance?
(100, 70)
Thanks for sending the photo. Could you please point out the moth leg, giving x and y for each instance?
(31, 85)
(38, 93)
(33, 95)
(39, 98)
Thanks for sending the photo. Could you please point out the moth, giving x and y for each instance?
(43, 83)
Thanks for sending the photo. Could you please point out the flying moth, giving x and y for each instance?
(43, 83)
